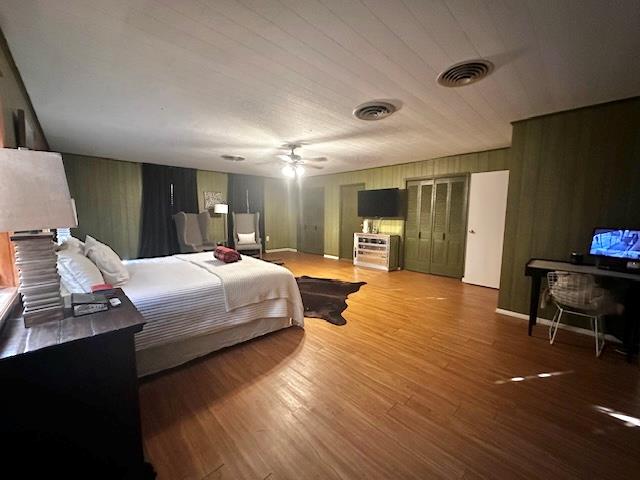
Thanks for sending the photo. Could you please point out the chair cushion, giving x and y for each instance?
(208, 246)
(107, 261)
(248, 246)
(246, 238)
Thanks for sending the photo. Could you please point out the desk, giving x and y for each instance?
(69, 404)
(537, 269)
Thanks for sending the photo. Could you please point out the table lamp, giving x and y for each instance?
(34, 196)
(223, 209)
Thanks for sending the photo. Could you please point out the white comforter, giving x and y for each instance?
(180, 298)
(249, 281)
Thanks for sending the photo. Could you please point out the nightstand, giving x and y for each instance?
(69, 403)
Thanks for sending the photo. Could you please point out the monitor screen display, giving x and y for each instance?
(616, 243)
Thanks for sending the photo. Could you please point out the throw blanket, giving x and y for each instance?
(251, 281)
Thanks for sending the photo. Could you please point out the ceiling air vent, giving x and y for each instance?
(233, 158)
(376, 110)
(465, 73)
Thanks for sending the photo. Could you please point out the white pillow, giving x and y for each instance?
(107, 261)
(77, 273)
(68, 285)
(73, 245)
(244, 238)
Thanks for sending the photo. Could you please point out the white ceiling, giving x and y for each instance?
(182, 82)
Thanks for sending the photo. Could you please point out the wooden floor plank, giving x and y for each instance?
(416, 385)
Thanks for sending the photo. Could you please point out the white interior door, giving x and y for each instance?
(485, 228)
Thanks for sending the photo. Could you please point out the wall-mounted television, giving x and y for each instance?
(615, 243)
(383, 203)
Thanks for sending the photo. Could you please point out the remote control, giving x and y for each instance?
(115, 302)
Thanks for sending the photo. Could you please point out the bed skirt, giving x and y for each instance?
(155, 359)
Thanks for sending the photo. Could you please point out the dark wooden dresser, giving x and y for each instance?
(69, 397)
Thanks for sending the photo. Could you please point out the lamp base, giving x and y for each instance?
(39, 280)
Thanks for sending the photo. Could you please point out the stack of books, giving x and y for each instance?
(39, 280)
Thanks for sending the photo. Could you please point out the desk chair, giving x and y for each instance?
(579, 294)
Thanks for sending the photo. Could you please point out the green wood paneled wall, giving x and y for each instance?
(294, 204)
(212, 182)
(569, 172)
(13, 96)
(396, 176)
(279, 213)
(108, 195)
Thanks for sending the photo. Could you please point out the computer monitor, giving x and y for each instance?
(616, 243)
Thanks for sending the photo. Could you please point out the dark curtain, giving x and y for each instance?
(165, 192)
(240, 190)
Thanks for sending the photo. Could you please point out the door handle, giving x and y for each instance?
(472, 231)
(443, 235)
(419, 235)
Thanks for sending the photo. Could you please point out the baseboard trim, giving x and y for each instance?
(275, 250)
(464, 280)
(331, 257)
(544, 321)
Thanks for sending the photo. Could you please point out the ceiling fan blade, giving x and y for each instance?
(287, 158)
(317, 167)
(295, 145)
(316, 159)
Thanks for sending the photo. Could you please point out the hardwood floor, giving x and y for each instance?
(415, 386)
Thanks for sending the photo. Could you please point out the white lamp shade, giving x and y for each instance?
(221, 208)
(34, 193)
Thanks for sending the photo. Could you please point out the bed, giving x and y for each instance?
(195, 304)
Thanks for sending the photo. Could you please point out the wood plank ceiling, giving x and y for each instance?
(183, 82)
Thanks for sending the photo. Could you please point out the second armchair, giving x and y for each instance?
(246, 232)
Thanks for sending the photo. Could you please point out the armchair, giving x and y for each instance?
(193, 232)
(247, 223)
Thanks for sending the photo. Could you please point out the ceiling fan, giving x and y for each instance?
(294, 164)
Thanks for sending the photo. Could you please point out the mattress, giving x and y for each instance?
(179, 300)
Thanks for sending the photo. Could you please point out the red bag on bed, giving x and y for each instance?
(226, 255)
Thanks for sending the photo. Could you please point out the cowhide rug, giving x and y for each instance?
(326, 298)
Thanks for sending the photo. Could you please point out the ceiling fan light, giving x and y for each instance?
(288, 171)
(299, 170)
